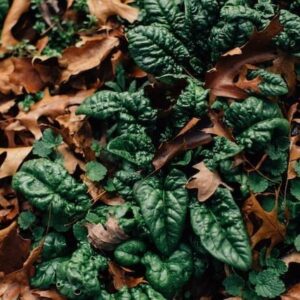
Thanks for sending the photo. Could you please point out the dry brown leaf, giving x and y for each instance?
(270, 229)
(14, 158)
(108, 236)
(50, 106)
(77, 133)
(122, 277)
(205, 181)
(75, 60)
(259, 48)
(16, 10)
(218, 128)
(245, 84)
(20, 74)
(9, 205)
(294, 156)
(70, 160)
(14, 250)
(189, 137)
(17, 283)
(293, 293)
(284, 65)
(103, 9)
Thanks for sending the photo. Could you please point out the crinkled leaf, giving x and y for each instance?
(135, 148)
(48, 186)
(163, 205)
(162, 59)
(163, 275)
(130, 252)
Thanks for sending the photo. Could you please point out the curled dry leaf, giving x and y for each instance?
(190, 137)
(9, 205)
(108, 236)
(14, 158)
(49, 106)
(270, 229)
(103, 9)
(122, 277)
(292, 293)
(259, 48)
(14, 250)
(17, 8)
(205, 181)
(75, 60)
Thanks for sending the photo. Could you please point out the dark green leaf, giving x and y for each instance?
(219, 224)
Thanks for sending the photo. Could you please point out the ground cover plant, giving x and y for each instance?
(149, 149)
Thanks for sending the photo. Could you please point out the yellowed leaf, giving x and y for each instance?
(14, 158)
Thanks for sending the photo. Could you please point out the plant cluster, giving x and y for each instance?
(179, 176)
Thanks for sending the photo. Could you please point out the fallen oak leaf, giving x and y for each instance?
(292, 293)
(103, 9)
(17, 8)
(218, 128)
(14, 158)
(14, 250)
(49, 106)
(18, 74)
(188, 138)
(106, 237)
(122, 278)
(76, 60)
(205, 181)
(270, 229)
(259, 48)
(246, 84)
